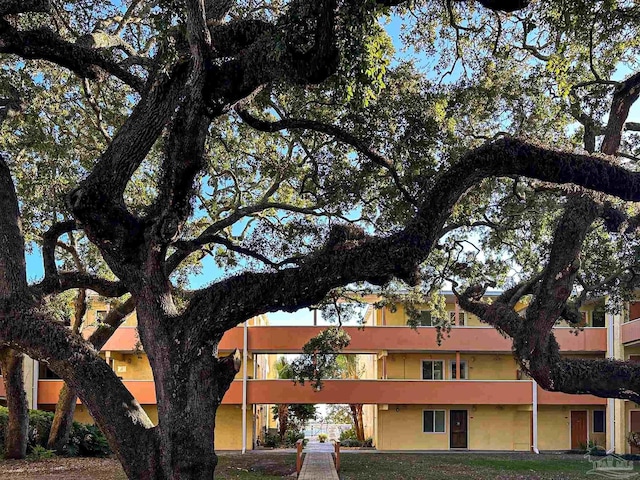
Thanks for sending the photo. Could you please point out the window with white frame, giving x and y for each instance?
(599, 422)
(462, 318)
(432, 370)
(433, 421)
(426, 319)
(453, 367)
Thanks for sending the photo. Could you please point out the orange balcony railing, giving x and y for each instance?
(284, 339)
(290, 339)
(630, 331)
(558, 398)
(143, 390)
(417, 392)
(404, 392)
(124, 339)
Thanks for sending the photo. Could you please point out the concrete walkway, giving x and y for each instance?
(318, 462)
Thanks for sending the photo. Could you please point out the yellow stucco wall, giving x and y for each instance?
(554, 426)
(479, 366)
(82, 414)
(132, 366)
(228, 432)
(500, 427)
(403, 430)
(489, 427)
(400, 317)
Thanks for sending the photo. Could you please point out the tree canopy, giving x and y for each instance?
(309, 154)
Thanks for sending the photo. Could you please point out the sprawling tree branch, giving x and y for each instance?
(55, 282)
(624, 96)
(44, 44)
(336, 132)
(11, 7)
(377, 260)
(535, 346)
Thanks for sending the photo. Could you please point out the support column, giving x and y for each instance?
(611, 428)
(244, 387)
(457, 356)
(36, 378)
(457, 312)
(534, 424)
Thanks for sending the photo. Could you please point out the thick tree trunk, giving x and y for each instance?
(62, 420)
(188, 397)
(283, 420)
(11, 363)
(66, 406)
(190, 383)
(358, 425)
(13, 289)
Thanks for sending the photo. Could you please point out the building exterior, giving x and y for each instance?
(464, 393)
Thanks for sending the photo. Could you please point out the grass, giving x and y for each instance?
(355, 466)
(471, 466)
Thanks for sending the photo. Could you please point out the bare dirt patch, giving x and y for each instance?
(61, 468)
(231, 466)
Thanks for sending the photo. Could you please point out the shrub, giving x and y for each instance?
(291, 437)
(350, 442)
(271, 440)
(39, 453)
(87, 441)
(634, 439)
(368, 443)
(84, 440)
(39, 427)
(592, 448)
(349, 434)
(4, 420)
(322, 437)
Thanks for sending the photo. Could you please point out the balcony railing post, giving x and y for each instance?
(299, 445)
(336, 447)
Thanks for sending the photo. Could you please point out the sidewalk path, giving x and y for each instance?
(318, 462)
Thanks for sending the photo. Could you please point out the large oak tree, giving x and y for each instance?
(276, 137)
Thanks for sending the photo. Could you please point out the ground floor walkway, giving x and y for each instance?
(318, 462)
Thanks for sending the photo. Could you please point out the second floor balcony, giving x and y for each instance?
(372, 339)
(391, 392)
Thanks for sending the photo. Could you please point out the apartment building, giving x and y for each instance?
(463, 393)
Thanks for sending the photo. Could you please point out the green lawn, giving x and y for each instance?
(462, 466)
(355, 466)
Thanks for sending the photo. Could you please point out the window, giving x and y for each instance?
(598, 316)
(462, 318)
(101, 315)
(425, 319)
(433, 421)
(432, 370)
(599, 423)
(44, 373)
(463, 369)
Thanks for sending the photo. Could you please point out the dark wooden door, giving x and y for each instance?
(634, 310)
(578, 430)
(458, 428)
(635, 427)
